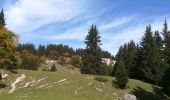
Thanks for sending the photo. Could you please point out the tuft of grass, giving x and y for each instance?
(101, 79)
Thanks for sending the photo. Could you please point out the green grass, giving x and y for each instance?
(85, 85)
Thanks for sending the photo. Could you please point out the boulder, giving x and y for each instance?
(129, 97)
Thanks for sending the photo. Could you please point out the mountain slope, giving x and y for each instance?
(39, 85)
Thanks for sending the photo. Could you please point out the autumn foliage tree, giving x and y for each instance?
(53, 54)
(29, 61)
(8, 44)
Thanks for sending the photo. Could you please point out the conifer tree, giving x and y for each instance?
(121, 74)
(128, 54)
(165, 32)
(166, 36)
(159, 40)
(131, 61)
(151, 61)
(91, 59)
(2, 19)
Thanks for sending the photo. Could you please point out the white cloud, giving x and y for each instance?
(115, 23)
(77, 33)
(31, 14)
(112, 42)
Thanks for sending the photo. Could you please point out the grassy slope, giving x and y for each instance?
(66, 91)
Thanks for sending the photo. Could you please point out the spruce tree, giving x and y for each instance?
(131, 61)
(159, 40)
(2, 19)
(91, 59)
(166, 36)
(165, 32)
(128, 54)
(121, 74)
(151, 60)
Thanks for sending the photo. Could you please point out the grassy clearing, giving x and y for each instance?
(74, 87)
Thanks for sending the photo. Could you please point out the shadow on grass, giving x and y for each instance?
(2, 85)
(142, 94)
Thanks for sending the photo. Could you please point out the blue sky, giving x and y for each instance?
(68, 21)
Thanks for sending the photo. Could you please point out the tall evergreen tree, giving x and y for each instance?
(159, 40)
(91, 59)
(2, 19)
(165, 32)
(128, 54)
(166, 35)
(151, 61)
(131, 61)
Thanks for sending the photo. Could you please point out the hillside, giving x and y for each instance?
(39, 85)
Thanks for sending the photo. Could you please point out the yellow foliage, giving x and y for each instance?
(8, 44)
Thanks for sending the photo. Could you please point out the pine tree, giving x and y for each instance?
(159, 40)
(165, 32)
(128, 54)
(2, 19)
(151, 60)
(121, 74)
(131, 61)
(166, 36)
(91, 59)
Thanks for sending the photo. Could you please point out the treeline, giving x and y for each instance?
(59, 49)
(148, 60)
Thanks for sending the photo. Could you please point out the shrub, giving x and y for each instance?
(75, 61)
(61, 60)
(29, 61)
(53, 68)
(101, 79)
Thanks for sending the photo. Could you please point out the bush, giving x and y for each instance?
(105, 70)
(29, 61)
(75, 61)
(101, 79)
(121, 75)
(53, 68)
(61, 60)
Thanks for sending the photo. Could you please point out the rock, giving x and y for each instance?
(17, 80)
(114, 94)
(129, 97)
(4, 76)
(99, 90)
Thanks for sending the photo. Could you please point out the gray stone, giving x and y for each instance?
(129, 97)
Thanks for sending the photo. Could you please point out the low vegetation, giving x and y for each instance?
(101, 79)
